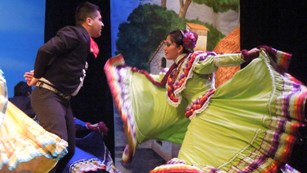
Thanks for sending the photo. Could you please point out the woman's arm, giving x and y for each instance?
(210, 63)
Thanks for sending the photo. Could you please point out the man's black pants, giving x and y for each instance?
(54, 114)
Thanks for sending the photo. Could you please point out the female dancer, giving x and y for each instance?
(248, 124)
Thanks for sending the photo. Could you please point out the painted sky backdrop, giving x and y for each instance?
(21, 34)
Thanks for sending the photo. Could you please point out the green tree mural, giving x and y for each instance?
(220, 5)
(144, 30)
(146, 27)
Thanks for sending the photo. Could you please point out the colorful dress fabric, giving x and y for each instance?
(248, 124)
(24, 145)
(91, 154)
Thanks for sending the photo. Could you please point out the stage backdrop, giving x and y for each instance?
(21, 34)
(139, 27)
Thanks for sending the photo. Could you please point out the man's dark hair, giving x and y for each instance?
(22, 89)
(85, 10)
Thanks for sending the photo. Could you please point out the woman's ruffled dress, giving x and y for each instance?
(248, 124)
(24, 145)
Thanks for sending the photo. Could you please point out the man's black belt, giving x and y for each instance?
(53, 89)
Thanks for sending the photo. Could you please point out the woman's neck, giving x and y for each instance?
(180, 57)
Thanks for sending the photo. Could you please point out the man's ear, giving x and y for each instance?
(89, 21)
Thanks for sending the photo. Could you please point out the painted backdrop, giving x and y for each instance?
(138, 27)
(21, 34)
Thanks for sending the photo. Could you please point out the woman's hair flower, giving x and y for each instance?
(189, 40)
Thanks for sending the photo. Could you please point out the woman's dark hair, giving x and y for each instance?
(185, 38)
(22, 89)
(85, 10)
(177, 38)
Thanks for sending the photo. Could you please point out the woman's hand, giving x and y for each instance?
(249, 55)
(100, 127)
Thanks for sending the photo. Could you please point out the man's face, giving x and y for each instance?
(96, 25)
